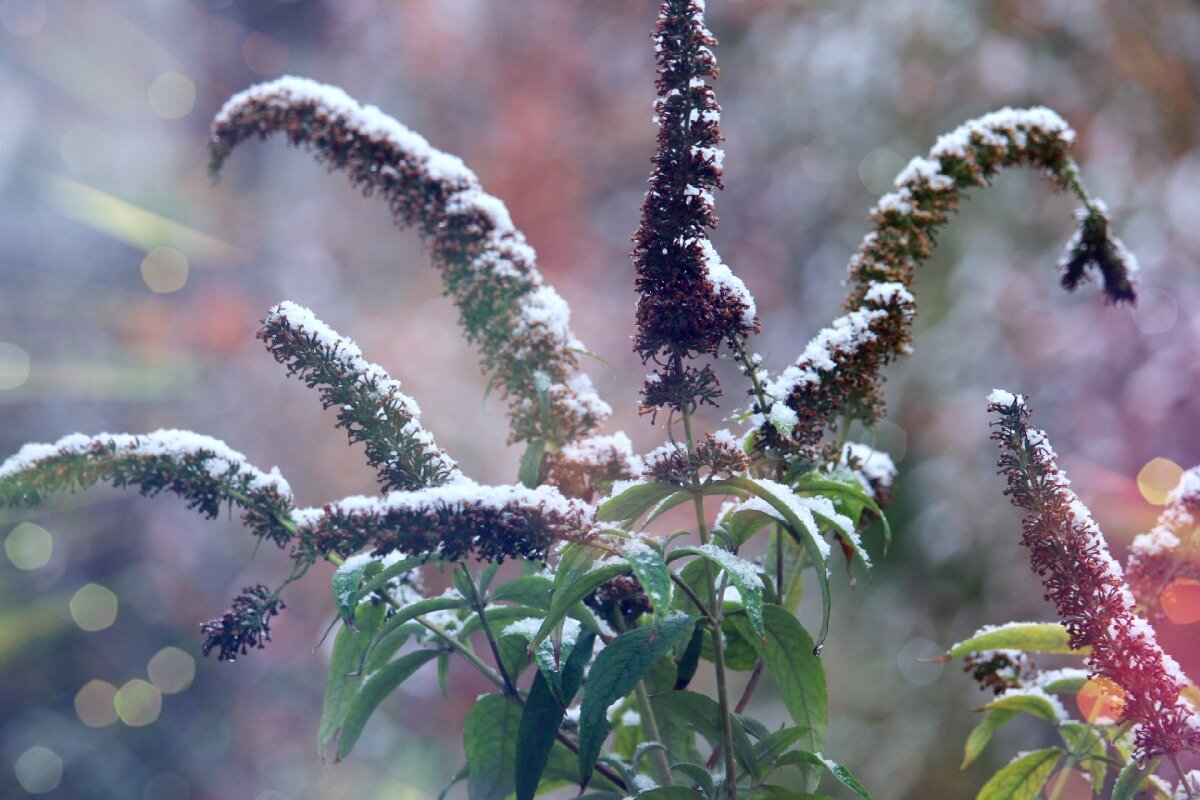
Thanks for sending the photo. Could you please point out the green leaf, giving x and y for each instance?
(741, 525)
(703, 714)
(1037, 705)
(536, 733)
(697, 774)
(850, 494)
(384, 647)
(443, 673)
(345, 675)
(633, 501)
(797, 673)
(490, 736)
(412, 611)
(391, 572)
(771, 792)
(1023, 777)
(458, 778)
(782, 500)
(741, 572)
(375, 688)
(1087, 746)
(498, 618)
(1068, 684)
(526, 590)
(651, 572)
(836, 769)
(982, 734)
(770, 748)
(689, 660)
(1032, 637)
(1131, 777)
(616, 671)
(670, 793)
(530, 473)
(576, 581)
(346, 580)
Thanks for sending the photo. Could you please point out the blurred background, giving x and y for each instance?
(132, 289)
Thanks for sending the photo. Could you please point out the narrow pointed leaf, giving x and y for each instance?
(345, 677)
(742, 573)
(633, 501)
(1023, 777)
(377, 686)
(651, 571)
(982, 734)
(617, 669)
(1031, 637)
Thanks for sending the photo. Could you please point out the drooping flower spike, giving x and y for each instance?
(839, 371)
(1088, 589)
(520, 324)
(690, 302)
(370, 405)
(1169, 551)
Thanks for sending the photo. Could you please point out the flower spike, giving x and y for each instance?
(839, 372)
(1088, 588)
(1169, 551)
(521, 325)
(690, 301)
(370, 405)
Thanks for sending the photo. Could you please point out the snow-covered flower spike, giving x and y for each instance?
(200, 469)
(840, 369)
(520, 324)
(690, 302)
(449, 522)
(1170, 550)
(1088, 588)
(370, 405)
(584, 467)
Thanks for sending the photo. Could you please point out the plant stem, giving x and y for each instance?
(1183, 779)
(718, 638)
(648, 721)
(479, 607)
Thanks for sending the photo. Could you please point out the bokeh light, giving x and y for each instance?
(1156, 311)
(85, 149)
(94, 607)
(1181, 601)
(1156, 480)
(165, 270)
(39, 770)
(29, 546)
(172, 95)
(14, 366)
(171, 670)
(23, 17)
(138, 703)
(94, 704)
(1100, 699)
(920, 662)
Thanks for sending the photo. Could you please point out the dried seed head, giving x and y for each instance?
(247, 624)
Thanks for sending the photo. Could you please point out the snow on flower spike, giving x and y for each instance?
(450, 522)
(370, 405)
(839, 370)
(203, 471)
(1088, 589)
(521, 324)
(1168, 552)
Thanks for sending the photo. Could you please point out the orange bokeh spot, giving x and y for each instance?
(1181, 601)
(1101, 699)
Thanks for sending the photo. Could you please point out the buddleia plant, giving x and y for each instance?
(593, 645)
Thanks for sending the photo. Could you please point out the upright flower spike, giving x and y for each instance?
(520, 324)
(690, 301)
(1087, 587)
(839, 371)
(370, 405)
(1169, 551)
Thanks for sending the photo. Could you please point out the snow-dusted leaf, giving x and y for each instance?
(741, 572)
(345, 673)
(1031, 637)
(1030, 701)
(346, 581)
(800, 522)
(834, 768)
(579, 573)
(651, 571)
(392, 571)
(411, 612)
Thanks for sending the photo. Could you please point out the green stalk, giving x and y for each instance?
(717, 612)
